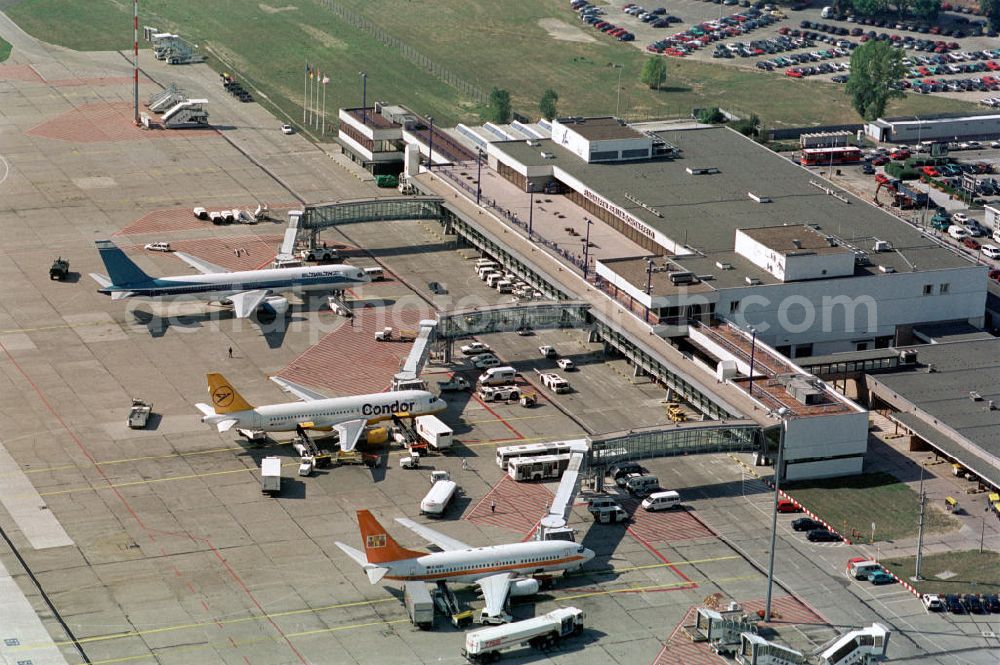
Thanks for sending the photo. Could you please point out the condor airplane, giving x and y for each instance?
(245, 290)
(348, 416)
(499, 570)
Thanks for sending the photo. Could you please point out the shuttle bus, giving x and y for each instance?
(507, 453)
(538, 467)
(828, 156)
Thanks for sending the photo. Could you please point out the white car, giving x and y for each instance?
(475, 348)
(960, 218)
(991, 251)
(158, 247)
(995, 144)
(958, 232)
(486, 361)
(569, 365)
(932, 602)
(548, 351)
(287, 129)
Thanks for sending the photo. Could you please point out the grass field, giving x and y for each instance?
(851, 504)
(483, 43)
(966, 572)
(4, 50)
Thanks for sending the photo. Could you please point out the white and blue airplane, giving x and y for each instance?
(245, 290)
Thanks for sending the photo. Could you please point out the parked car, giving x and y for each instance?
(475, 348)
(806, 524)
(788, 506)
(973, 604)
(990, 251)
(958, 232)
(960, 218)
(287, 129)
(932, 602)
(486, 361)
(991, 602)
(548, 351)
(954, 604)
(566, 364)
(880, 577)
(822, 536)
(158, 247)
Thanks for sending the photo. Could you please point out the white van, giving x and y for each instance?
(498, 376)
(505, 286)
(485, 263)
(493, 279)
(642, 485)
(486, 271)
(827, 12)
(662, 501)
(958, 232)
(375, 274)
(597, 503)
(859, 570)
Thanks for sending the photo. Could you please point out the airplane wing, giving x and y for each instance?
(495, 589)
(301, 392)
(204, 267)
(350, 431)
(447, 543)
(247, 302)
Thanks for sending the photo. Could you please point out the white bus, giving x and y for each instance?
(538, 467)
(507, 453)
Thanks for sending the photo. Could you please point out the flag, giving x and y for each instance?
(326, 79)
(312, 72)
(307, 68)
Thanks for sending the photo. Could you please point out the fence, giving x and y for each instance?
(416, 57)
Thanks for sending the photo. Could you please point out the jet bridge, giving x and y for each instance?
(553, 525)
(409, 376)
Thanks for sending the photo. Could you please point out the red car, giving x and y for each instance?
(795, 73)
(900, 154)
(881, 160)
(971, 243)
(788, 506)
(931, 171)
(993, 65)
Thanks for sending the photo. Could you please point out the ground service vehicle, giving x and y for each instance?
(499, 393)
(485, 645)
(610, 515)
(548, 351)
(319, 254)
(537, 468)
(507, 453)
(434, 432)
(419, 605)
(375, 273)
(498, 376)
(436, 501)
(270, 476)
(139, 414)
(642, 485)
(566, 364)
(59, 269)
(662, 501)
(554, 382)
(453, 384)
(860, 570)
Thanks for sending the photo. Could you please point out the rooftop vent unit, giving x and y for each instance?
(908, 357)
(752, 281)
(723, 265)
(757, 198)
(990, 406)
(711, 170)
(886, 269)
(882, 246)
(803, 389)
(832, 241)
(548, 155)
(930, 368)
(861, 258)
(975, 396)
(533, 143)
(685, 277)
(797, 243)
(705, 278)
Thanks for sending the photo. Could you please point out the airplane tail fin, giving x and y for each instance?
(225, 399)
(380, 547)
(121, 269)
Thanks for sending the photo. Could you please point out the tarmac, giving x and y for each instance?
(157, 545)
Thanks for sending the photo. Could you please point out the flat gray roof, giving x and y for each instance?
(960, 368)
(794, 239)
(600, 129)
(704, 211)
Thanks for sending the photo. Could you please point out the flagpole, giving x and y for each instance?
(316, 101)
(323, 130)
(305, 88)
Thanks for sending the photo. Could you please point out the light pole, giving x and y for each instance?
(753, 349)
(920, 529)
(479, 174)
(364, 97)
(430, 144)
(783, 411)
(649, 283)
(618, 104)
(586, 249)
(531, 207)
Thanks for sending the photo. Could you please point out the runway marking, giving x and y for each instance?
(146, 458)
(680, 586)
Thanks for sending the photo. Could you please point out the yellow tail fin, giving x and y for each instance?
(225, 399)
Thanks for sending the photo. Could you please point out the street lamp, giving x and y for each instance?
(364, 97)
(618, 104)
(586, 249)
(649, 276)
(531, 206)
(430, 144)
(782, 412)
(479, 173)
(753, 348)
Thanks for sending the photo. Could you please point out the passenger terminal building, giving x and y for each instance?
(736, 232)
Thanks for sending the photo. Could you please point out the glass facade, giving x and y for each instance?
(668, 441)
(371, 210)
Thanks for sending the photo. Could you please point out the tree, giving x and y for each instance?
(711, 116)
(654, 72)
(876, 68)
(926, 9)
(871, 7)
(498, 106)
(547, 104)
(991, 9)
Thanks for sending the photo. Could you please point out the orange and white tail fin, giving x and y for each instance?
(380, 547)
(225, 398)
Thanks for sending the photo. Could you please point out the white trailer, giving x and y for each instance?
(437, 499)
(485, 645)
(434, 432)
(270, 476)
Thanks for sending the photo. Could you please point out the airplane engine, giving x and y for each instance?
(275, 305)
(527, 587)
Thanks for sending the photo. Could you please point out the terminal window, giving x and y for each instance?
(928, 289)
(943, 288)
